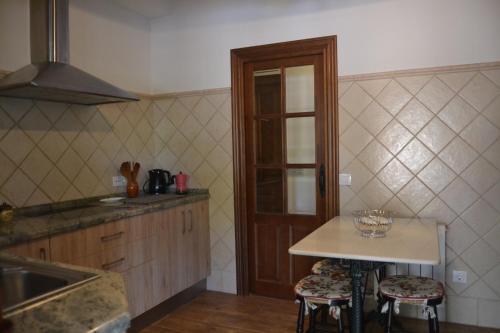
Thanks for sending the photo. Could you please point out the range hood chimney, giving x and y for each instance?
(50, 77)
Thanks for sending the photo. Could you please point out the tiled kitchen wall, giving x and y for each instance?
(425, 144)
(428, 145)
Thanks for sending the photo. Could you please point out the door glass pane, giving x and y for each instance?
(299, 89)
(267, 91)
(269, 191)
(268, 143)
(301, 185)
(300, 140)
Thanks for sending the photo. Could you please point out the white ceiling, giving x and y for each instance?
(148, 8)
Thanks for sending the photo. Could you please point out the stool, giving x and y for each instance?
(327, 267)
(410, 289)
(316, 291)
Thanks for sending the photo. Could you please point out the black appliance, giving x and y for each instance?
(158, 182)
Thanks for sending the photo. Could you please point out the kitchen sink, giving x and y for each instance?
(24, 283)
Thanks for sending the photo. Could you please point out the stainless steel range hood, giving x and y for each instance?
(50, 76)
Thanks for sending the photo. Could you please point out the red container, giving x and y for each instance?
(181, 183)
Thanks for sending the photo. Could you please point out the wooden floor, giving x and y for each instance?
(218, 312)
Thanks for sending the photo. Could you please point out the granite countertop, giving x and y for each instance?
(99, 305)
(42, 221)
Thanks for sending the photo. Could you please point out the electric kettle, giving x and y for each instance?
(158, 182)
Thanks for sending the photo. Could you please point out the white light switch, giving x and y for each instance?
(345, 179)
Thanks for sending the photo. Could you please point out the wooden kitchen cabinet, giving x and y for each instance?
(159, 254)
(38, 249)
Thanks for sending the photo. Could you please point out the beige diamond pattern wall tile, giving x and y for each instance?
(355, 100)
(344, 86)
(481, 217)
(16, 145)
(7, 168)
(35, 124)
(436, 135)
(393, 97)
(395, 175)
(415, 195)
(218, 126)
(493, 196)
(225, 110)
(68, 126)
(85, 144)
(204, 111)
(11, 187)
(166, 158)
(399, 208)
(122, 128)
(458, 155)
(205, 175)
(144, 130)
(458, 195)
(436, 175)
(37, 198)
(83, 112)
(479, 92)
(36, 166)
(481, 175)
(86, 182)
(190, 101)
(456, 81)
(457, 114)
(414, 116)
(374, 87)
(190, 128)
(394, 137)
(345, 157)
(355, 138)
(481, 257)
(110, 112)
(133, 144)
(492, 154)
(165, 129)
(227, 143)
(492, 112)
(6, 123)
(374, 118)
(375, 194)
(493, 75)
(204, 143)
(55, 184)
(16, 108)
(459, 236)
(98, 163)
(132, 112)
(480, 133)
(375, 156)
(178, 144)
(52, 110)
(345, 120)
(481, 290)
(438, 210)
(415, 156)
(98, 127)
(493, 236)
(53, 145)
(413, 83)
(435, 94)
(164, 103)
(218, 159)
(191, 159)
(177, 113)
(70, 163)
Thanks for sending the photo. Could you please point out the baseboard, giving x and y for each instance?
(168, 306)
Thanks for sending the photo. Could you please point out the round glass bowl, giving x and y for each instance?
(373, 223)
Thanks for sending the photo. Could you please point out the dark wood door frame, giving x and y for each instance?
(327, 48)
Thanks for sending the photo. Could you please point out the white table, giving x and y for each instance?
(412, 241)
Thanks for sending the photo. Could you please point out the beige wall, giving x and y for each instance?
(422, 144)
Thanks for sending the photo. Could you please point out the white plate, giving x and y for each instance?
(111, 199)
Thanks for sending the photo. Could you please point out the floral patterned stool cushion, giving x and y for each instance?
(411, 289)
(328, 268)
(320, 289)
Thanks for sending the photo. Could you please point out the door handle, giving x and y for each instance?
(322, 180)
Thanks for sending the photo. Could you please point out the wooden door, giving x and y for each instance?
(285, 167)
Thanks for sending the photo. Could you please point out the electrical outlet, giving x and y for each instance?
(119, 181)
(460, 276)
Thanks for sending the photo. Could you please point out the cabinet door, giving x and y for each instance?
(140, 288)
(69, 248)
(201, 235)
(38, 249)
(177, 248)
